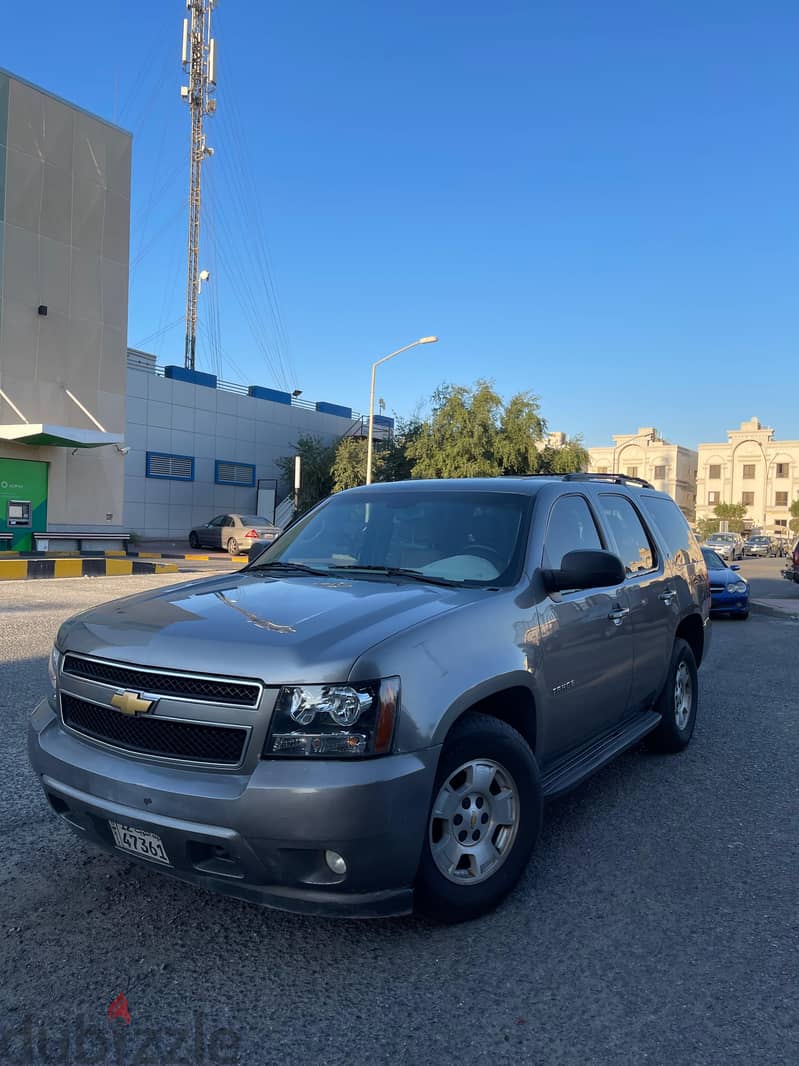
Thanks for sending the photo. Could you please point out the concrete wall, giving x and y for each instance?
(64, 236)
(180, 418)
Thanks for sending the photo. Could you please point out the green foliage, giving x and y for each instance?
(471, 433)
(317, 465)
(707, 526)
(733, 514)
(349, 465)
(794, 522)
(571, 458)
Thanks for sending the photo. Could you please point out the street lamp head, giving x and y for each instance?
(427, 340)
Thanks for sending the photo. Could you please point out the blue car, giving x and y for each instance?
(729, 592)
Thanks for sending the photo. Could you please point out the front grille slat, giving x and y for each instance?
(186, 686)
(150, 735)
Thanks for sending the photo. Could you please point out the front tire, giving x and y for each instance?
(677, 703)
(484, 820)
(194, 540)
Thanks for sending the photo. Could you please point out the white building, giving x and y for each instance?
(669, 467)
(753, 469)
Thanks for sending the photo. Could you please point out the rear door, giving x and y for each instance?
(587, 640)
(652, 600)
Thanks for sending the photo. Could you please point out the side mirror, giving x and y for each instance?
(585, 569)
(258, 548)
(735, 566)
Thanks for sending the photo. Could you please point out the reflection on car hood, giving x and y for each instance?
(279, 629)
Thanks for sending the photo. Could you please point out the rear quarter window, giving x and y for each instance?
(673, 528)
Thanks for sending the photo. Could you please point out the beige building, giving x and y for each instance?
(645, 454)
(753, 469)
(64, 232)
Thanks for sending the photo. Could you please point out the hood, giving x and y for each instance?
(725, 576)
(279, 629)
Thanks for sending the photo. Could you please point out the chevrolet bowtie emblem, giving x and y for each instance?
(131, 703)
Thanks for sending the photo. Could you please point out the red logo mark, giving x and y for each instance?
(118, 1008)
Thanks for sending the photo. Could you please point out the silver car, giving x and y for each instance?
(729, 546)
(371, 715)
(233, 532)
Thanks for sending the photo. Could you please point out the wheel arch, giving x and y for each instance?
(692, 631)
(513, 703)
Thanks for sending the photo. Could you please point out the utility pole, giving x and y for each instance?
(199, 62)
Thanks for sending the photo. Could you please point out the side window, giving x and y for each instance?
(632, 543)
(571, 527)
(670, 520)
(218, 521)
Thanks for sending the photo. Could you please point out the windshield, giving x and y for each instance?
(721, 538)
(758, 540)
(467, 538)
(713, 561)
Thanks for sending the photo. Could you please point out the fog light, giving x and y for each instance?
(336, 862)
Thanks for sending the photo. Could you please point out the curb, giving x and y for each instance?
(758, 607)
(28, 569)
(218, 557)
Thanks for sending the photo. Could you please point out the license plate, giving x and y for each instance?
(138, 842)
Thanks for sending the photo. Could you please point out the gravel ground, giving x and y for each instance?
(656, 923)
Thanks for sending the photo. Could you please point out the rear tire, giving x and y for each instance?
(194, 540)
(677, 703)
(741, 615)
(233, 546)
(484, 820)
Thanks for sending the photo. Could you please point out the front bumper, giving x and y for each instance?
(729, 602)
(259, 836)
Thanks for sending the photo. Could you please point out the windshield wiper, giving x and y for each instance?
(298, 568)
(400, 571)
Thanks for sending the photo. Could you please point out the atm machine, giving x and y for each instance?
(19, 514)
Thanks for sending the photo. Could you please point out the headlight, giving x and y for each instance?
(737, 586)
(334, 720)
(52, 666)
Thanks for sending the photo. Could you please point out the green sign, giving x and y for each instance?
(23, 481)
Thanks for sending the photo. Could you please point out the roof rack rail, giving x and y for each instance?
(614, 479)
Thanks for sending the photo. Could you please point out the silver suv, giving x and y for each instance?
(371, 715)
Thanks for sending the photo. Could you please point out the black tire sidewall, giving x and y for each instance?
(193, 541)
(668, 736)
(482, 737)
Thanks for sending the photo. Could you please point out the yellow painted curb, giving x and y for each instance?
(68, 568)
(13, 569)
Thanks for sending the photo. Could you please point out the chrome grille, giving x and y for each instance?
(151, 735)
(233, 691)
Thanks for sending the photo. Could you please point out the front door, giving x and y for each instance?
(650, 594)
(587, 643)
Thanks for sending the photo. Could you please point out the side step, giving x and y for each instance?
(575, 767)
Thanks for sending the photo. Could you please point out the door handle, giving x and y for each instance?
(667, 596)
(618, 614)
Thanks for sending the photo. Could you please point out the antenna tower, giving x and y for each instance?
(199, 62)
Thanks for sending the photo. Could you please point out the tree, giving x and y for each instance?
(349, 464)
(733, 514)
(521, 429)
(794, 522)
(571, 458)
(317, 464)
(472, 433)
(460, 437)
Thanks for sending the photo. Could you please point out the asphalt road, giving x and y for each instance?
(766, 580)
(657, 922)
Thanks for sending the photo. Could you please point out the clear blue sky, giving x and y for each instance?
(595, 201)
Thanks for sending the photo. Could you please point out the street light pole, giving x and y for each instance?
(369, 446)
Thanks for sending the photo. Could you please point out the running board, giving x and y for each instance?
(576, 767)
